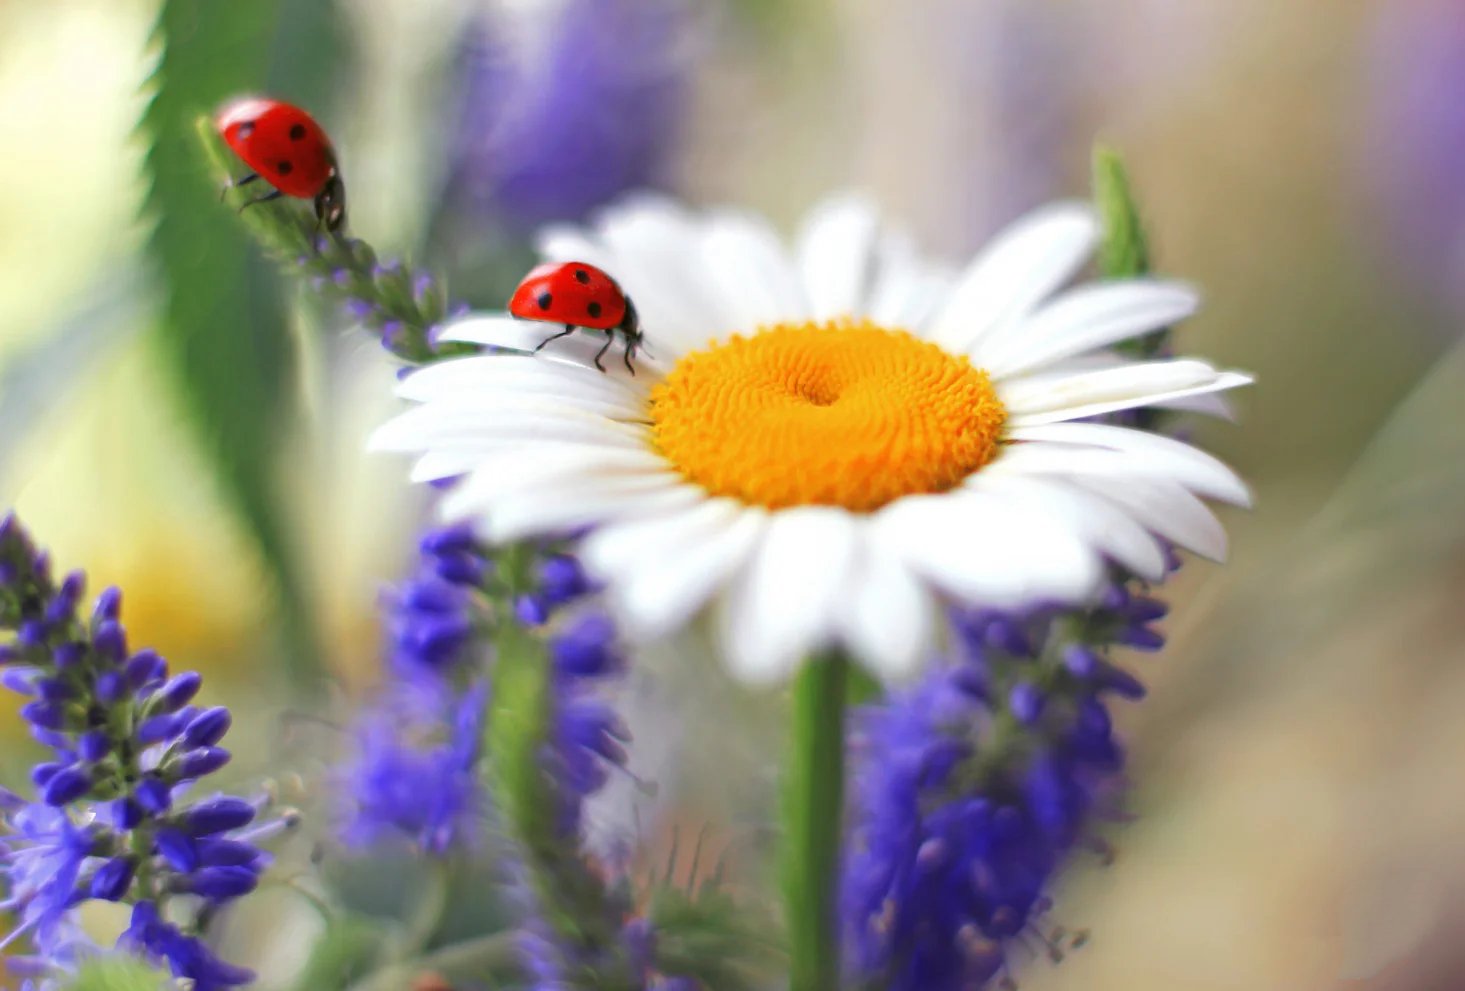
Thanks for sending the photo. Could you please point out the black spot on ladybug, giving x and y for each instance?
(544, 300)
(593, 309)
(297, 132)
(583, 277)
(284, 168)
(246, 129)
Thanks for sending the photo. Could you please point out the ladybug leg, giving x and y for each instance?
(609, 340)
(261, 199)
(569, 329)
(236, 183)
(627, 355)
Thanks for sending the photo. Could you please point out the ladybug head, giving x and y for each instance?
(330, 204)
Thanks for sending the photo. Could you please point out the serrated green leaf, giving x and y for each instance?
(116, 972)
(223, 338)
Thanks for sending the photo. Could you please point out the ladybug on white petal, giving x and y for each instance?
(582, 297)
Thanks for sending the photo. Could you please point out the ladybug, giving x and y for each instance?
(581, 297)
(287, 149)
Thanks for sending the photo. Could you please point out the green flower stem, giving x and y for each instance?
(570, 897)
(398, 303)
(813, 816)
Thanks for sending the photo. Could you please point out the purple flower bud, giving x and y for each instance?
(94, 745)
(394, 335)
(68, 655)
(112, 879)
(56, 689)
(586, 648)
(219, 883)
(126, 814)
(66, 786)
(529, 610)
(46, 715)
(1114, 597)
(460, 567)
(108, 605)
(8, 654)
(42, 773)
(1006, 635)
(561, 579)
(458, 537)
(21, 681)
(1141, 638)
(177, 848)
(177, 693)
(218, 815)
(1081, 661)
(111, 687)
(143, 667)
(215, 852)
(358, 309)
(198, 763)
(1026, 702)
(208, 727)
(154, 795)
(110, 640)
(32, 633)
(72, 587)
(1146, 610)
(156, 729)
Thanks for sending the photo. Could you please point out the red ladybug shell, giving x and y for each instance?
(571, 293)
(281, 142)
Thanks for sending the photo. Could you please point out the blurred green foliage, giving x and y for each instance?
(224, 335)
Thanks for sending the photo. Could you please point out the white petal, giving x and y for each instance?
(513, 470)
(579, 348)
(987, 549)
(1072, 396)
(1168, 510)
(906, 288)
(1023, 264)
(568, 507)
(884, 614)
(661, 571)
(781, 606)
(1101, 523)
(511, 373)
(835, 250)
(1092, 317)
(653, 245)
(752, 273)
(1195, 469)
(447, 426)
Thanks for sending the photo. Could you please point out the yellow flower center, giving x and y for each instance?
(842, 413)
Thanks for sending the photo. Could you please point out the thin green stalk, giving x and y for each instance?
(813, 815)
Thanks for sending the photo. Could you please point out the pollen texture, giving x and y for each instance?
(844, 413)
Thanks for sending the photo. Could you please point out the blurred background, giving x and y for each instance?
(184, 423)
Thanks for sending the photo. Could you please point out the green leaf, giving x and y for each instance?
(1124, 253)
(116, 972)
(224, 337)
(345, 952)
(711, 938)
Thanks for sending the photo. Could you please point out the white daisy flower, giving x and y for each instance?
(827, 445)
